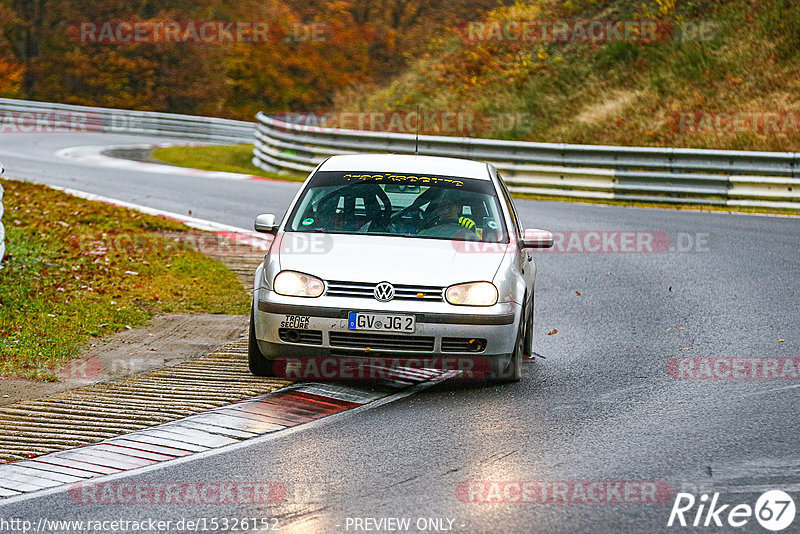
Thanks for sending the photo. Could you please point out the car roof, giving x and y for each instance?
(462, 168)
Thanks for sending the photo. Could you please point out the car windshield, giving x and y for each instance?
(397, 204)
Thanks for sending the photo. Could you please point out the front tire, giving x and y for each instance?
(527, 349)
(259, 365)
(513, 371)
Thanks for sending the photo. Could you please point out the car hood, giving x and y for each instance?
(398, 260)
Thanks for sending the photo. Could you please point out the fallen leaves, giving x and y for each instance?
(553, 332)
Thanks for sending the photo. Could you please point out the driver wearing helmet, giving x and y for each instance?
(445, 217)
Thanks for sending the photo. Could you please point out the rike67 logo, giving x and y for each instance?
(774, 510)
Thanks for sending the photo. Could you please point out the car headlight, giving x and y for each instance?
(474, 294)
(294, 284)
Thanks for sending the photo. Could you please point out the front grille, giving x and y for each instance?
(401, 292)
(381, 341)
(463, 344)
(294, 335)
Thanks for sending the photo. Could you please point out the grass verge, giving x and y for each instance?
(76, 269)
(225, 158)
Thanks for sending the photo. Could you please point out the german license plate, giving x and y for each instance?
(378, 322)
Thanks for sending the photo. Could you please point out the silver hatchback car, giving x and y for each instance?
(393, 258)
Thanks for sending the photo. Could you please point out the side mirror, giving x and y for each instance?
(266, 223)
(534, 238)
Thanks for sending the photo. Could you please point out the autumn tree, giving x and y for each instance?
(315, 50)
(179, 77)
(306, 62)
(11, 70)
(403, 28)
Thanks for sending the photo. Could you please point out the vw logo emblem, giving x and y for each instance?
(384, 292)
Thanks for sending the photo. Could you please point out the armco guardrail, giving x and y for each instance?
(720, 177)
(673, 175)
(27, 116)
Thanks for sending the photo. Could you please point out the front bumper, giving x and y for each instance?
(497, 325)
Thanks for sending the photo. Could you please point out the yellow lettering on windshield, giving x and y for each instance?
(405, 178)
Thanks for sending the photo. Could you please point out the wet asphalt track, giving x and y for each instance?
(598, 405)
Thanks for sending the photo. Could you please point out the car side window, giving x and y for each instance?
(511, 209)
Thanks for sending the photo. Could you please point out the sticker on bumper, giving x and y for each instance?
(298, 322)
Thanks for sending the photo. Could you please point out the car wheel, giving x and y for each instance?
(527, 348)
(513, 371)
(258, 364)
